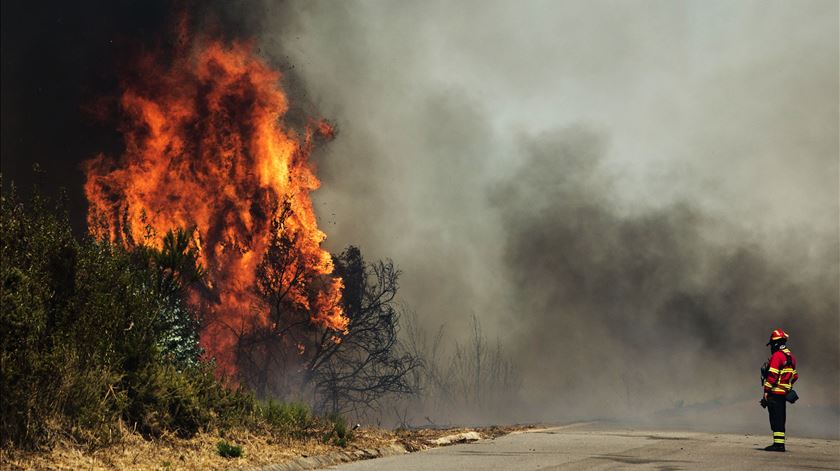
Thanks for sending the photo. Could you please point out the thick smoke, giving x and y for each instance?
(648, 312)
(630, 197)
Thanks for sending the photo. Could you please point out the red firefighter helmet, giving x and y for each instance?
(778, 334)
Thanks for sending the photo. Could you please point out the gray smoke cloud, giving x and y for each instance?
(648, 312)
(630, 195)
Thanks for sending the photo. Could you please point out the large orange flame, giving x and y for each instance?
(206, 149)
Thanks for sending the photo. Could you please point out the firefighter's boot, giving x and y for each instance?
(778, 442)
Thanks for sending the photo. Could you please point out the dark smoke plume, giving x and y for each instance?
(629, 314)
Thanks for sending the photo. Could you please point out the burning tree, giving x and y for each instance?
(270, 355)
(207, 147)
(349, 370)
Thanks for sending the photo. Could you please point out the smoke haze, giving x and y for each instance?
(630, 195)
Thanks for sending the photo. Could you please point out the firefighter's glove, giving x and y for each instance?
(763, 403)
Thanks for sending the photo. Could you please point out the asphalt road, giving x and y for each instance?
(600, 446)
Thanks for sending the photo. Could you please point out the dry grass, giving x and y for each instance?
(168, 453)
(199, 452)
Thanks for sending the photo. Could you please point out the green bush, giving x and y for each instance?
(227, 450)
(289, 418)
(339, 435)
(93, 334)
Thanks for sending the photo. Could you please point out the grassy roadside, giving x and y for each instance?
(201, 451)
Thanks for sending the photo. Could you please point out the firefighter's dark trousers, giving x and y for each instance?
(776, 408)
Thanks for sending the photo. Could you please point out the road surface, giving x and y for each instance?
(599, 446)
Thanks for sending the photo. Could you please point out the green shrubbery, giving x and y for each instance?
(287, 418)
(228, 450)
(94, 335)
(338, 435)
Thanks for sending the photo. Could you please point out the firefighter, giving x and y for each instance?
(779, 375)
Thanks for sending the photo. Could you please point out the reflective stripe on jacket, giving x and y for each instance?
(781, 372)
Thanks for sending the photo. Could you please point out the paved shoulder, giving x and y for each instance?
(589, 446)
